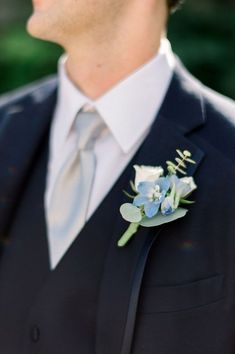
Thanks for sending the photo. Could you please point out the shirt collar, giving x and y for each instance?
(129, 108)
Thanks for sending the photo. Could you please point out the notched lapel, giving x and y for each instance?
(23, 127)
(124, 267)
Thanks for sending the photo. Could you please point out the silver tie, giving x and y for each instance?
(71, 194)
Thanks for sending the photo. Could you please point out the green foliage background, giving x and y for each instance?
(202, 34)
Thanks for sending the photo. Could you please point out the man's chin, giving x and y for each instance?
(38, 27)
(33, 26)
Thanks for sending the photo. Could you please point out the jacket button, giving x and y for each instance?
(35, 334)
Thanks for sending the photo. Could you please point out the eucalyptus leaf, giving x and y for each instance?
(180, 153)
(187, 153)
(181, 171)
(170, 163)
(160, 219)
(130, 213)
(191, 161)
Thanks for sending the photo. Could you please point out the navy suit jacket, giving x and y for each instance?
(172, 289)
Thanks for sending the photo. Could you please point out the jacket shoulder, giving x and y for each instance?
(219, 129)
(218, 111)
(36, 90)
(218, 105)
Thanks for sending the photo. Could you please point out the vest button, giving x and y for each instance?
(35, 334)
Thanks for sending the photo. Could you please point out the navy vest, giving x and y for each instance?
(44, 311)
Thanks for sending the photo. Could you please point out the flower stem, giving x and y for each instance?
(132, 229)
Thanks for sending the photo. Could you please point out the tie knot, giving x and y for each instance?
(88, 127)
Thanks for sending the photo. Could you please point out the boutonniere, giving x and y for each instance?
(157, 198)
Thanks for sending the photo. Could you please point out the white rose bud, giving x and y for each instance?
(147, 173)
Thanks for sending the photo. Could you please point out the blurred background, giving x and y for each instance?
(202, 34)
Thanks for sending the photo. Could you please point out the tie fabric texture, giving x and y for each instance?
(71, 194)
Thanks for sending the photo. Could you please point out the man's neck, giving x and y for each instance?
(97, 64)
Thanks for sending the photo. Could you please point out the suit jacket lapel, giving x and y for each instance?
(23, 127)
(181, 113)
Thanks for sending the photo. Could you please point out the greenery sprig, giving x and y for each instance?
(184, 156)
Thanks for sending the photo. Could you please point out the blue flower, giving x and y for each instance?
(180, 188)
(151, 195)
(167, 206)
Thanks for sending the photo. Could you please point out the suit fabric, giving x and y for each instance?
(179, 276)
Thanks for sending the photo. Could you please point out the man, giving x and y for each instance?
(65, 286)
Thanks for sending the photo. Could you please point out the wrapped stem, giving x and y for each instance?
(132, 229)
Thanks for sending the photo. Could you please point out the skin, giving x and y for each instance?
(105, 40)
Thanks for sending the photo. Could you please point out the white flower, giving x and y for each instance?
(182, 187)
(147, 173)
(189, 186)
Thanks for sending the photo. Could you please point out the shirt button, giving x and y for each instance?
(35, 334)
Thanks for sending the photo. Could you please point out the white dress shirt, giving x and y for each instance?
(128, 110)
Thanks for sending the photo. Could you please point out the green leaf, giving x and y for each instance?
(181, 171)
(133, 187)
(130, 213)
(128, 195)
(184, 201)
(170, 163)
(160, 219)
(187, 153)
(180, 153)
(191, 161)
(132, 229)
(177, 200)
